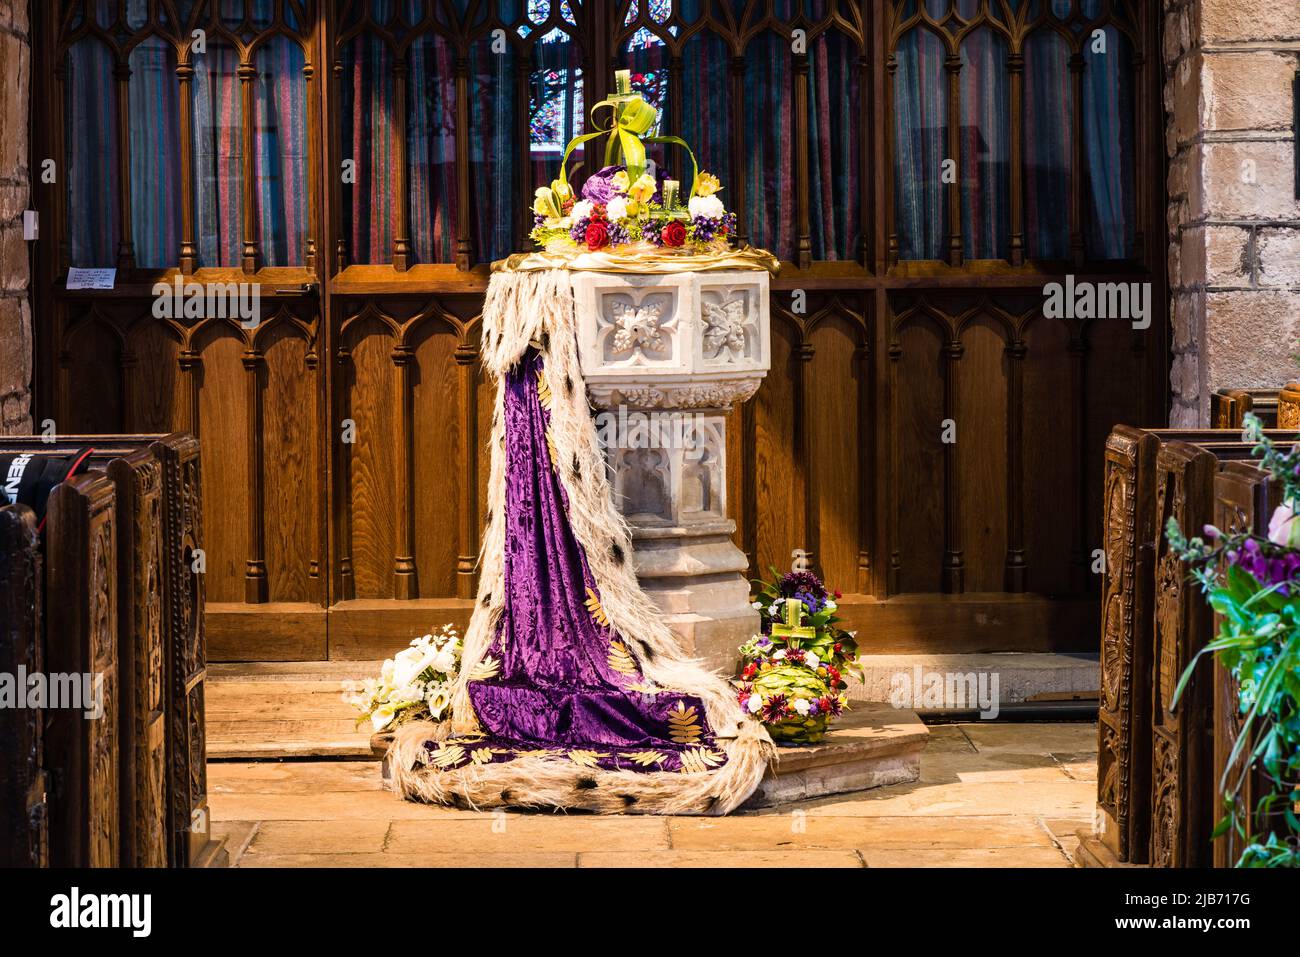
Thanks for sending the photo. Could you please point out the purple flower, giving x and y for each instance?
(652, 231)
(599, 187)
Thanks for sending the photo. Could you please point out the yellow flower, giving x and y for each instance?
(620, 181)
(643, 189)
(545, 203)
(633, 208)
(706, 184)
(563, 191)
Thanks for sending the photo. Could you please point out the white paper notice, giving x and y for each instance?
(91, 278)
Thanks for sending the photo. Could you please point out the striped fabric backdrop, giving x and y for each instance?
(155, 155)
(920, 118)
(920, 145)
(1109, 149)
(94, 219)
(708, 121)
(280, 160)
(494, 151)
(370, 201)
(985, 146)
(431, 149)
(218, 157)
(1048, 122)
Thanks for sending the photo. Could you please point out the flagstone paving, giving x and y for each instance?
(990, 795)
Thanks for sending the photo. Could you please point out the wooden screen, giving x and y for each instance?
(343, 462)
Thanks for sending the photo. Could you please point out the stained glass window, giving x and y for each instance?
(555, 101)
(648, 57)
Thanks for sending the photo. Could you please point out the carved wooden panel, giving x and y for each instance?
(1124, 739)
(138, 481)
(255, 397)
(162, 634)
(24, 828)
(188, 826)
(81, 541)
(1182, 778)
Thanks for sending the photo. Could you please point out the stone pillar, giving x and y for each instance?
(665, 359)
(1234, 220)
(15, 190)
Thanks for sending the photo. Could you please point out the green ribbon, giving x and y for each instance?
(632, 119)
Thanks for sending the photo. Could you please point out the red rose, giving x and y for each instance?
(597, 236)
(674, 233)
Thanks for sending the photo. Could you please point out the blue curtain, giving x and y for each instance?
(90, 108)
(431, 149)
(155, 155)
(280, 153)
(920, 145)
(834, 142)
(367, 97)
(985, 174)
(1048, 123)
(218, 156)
(1108, 147)
(495, 151)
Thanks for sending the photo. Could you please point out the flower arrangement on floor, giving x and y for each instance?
(1253, 582)
(414, 684)
(793, 673)
(627, 206)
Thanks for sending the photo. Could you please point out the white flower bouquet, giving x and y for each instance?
(414, 684)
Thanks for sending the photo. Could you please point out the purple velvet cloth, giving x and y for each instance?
(557, 688)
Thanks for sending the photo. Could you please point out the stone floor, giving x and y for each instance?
(990, 795)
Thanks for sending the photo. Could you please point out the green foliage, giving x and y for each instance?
(1259, 643)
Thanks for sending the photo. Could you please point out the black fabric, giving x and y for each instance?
(28, 478)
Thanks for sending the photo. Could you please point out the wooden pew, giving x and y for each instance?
(1147, 631)
(1244, 499)
(163, 773)
(81, 639)
(1276, 408)
(1182, 812)
(1228, 407)
(24, 834)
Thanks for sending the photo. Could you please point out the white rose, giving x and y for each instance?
(616, 209)
(811, 660)
(754, 703)
(708, 207)
(780, 654)
(581, 209)
(801, 705)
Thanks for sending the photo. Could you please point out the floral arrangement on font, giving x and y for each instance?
(793, 674)
(627, 204)
(414, 684)
(1253, 582)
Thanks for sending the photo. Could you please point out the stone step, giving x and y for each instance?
(870, 746)
(1020, 678)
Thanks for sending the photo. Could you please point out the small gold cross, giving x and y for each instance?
(791, 627)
